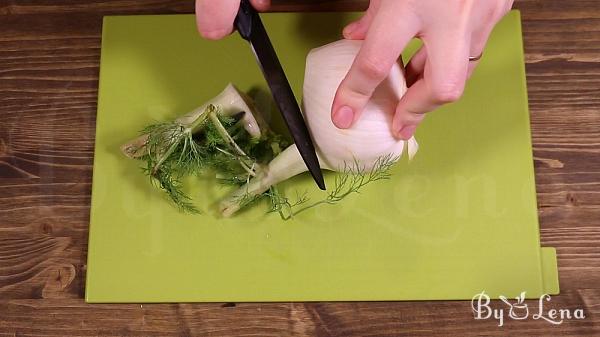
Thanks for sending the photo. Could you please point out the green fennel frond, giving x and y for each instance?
(173, 187)
(282, 205)
(213, 142)
(349, 181)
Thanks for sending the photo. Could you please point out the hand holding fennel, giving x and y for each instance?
(228, 138)
(454, 34)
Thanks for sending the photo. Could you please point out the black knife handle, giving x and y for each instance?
(244, 19)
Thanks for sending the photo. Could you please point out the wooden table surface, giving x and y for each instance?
(49, 56)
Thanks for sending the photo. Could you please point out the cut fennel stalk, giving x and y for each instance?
(229, 140)
(222, 136)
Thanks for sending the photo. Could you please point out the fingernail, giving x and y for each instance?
(261, 3)
(343, 117)
(349, 29)
(406, 132)
(214, 34)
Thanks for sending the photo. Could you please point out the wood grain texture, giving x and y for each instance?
(49, 56)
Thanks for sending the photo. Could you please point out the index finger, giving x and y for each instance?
(443, 81)
(385, 40)
(215, 18)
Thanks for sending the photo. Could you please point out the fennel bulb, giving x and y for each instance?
(363, 146)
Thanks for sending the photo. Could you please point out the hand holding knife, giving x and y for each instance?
(250, 27)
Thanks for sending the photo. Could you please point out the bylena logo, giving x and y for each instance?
(519, 310)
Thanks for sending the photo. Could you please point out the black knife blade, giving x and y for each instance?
(251, 28)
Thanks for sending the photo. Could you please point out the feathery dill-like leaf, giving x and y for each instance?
(212, 143)
(173, 187)
(351, 180)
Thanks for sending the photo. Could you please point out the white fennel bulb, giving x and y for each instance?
(365, 143)
(371, 136)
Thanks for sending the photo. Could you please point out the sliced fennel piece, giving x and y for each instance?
(223, 136)
(230, 100)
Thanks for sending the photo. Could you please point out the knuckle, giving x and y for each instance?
(447, 92)
(353, 92)
(374, 68)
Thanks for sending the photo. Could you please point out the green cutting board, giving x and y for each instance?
(460, 218)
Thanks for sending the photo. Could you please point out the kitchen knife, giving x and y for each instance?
(250, 27)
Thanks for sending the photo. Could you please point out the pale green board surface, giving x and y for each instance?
(459, 219)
